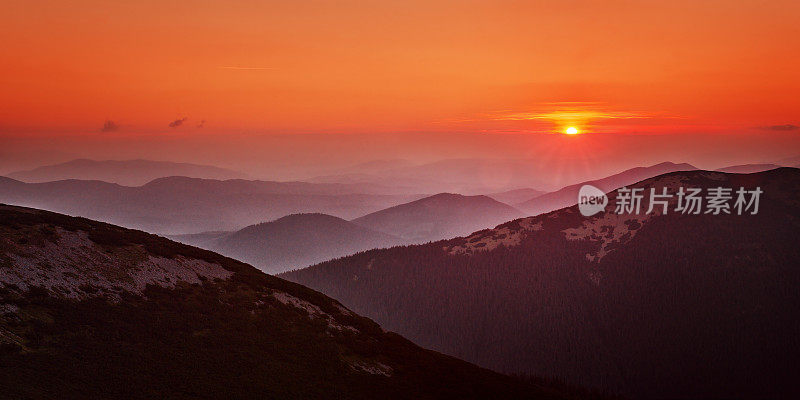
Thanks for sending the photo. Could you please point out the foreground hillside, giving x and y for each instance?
(292, 242)
(654, 305)
(91, 310)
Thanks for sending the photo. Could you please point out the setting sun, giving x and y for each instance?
(571, 131)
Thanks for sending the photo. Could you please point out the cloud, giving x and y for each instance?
(569, 115)
(109, 126)
(249, 68)
(781, 128)
(177, 122)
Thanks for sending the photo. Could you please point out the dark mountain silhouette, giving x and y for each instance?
(516, 196)
(177, 205)
(440, 216)
(568, 196)
(648, 305)
(128, 172)
(293, 242)
(748, 168)
(91, 310)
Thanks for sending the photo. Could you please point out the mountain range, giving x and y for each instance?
(659, 305)
(469, 176)
(516, 196)
(567, 196)
(178, 205)
(127, 172)
(292, 242)
(444, 215)
(92, 310)
(299, 240)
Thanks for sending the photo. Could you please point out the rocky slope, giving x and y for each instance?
(91, 310)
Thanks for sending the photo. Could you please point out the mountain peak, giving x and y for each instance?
(294, 241)
(568, 195)
(439, 216)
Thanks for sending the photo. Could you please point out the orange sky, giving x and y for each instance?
(393, 66)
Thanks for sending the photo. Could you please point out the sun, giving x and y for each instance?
(571, 131)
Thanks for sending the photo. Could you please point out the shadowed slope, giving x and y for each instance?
(647, 305)
(91, 310)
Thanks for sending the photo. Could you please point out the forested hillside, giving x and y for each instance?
(645, 305)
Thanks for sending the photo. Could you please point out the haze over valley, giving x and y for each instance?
(416, 200)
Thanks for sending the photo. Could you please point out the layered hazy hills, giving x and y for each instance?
(292, 242)
(516, 196)
(92, 310)
(466, 176)
(648, 305)
(473, 176)
(444, 215)
(127, 172)
(300, 240)
(175, 205)
(265, 187)
(567, 196)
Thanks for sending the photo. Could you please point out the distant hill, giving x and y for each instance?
(475, 176)
(127, 173)
(464, 176)
(380, 165)
(748, 168)
(516, 196)
(177, 205)
(789, 161)
(203, 240)
(568, 196)
(293, 242)
(646, 305)
(94, 311)
(444, 215)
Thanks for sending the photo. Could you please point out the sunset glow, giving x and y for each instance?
(420, 66)
(246, 84)
(316, 199)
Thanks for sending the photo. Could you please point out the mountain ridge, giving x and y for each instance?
(124, 172)
(293, 241)
(177, 205)
(439, 216)
(568, 195)
(645, 305)
(86, 312)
